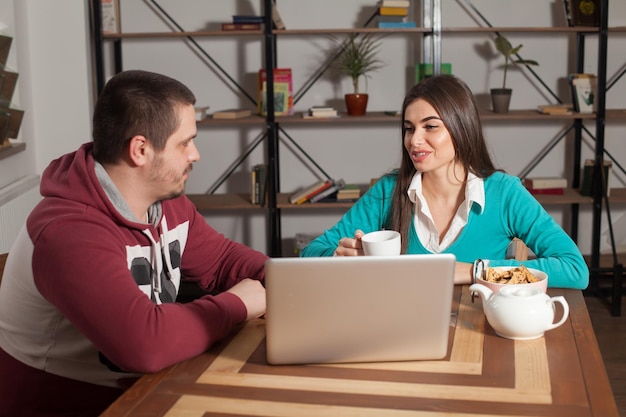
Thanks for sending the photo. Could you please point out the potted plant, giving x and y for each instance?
(501, 97)
(357, 59)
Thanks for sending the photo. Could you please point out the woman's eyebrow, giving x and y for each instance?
(426, 119)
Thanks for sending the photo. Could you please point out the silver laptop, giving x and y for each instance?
(358, 308)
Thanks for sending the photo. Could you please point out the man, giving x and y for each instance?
(87, 301)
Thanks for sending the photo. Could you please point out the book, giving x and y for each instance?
(247, 19)
(315, 192)
(308, 192)
(555, 109)
(276, 18)
(585, 12)
(386, 18)
(259, 184)
(396, 25)
(539, 183)
(583, 87)
(349, 192)
(394, 3)
(336, 186)
(110, 16)
(283, 92)
(241, 26)
(254, 198)
(568, 12)
(393, 11)
(232, 113)
(586, 184)
(321, 112)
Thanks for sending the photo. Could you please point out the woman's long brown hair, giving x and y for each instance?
(454, 102)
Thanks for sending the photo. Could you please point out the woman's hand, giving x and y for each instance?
(350, 246)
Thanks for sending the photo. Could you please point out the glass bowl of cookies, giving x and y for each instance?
(498, 277)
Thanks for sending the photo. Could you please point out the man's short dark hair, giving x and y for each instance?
(134, 103)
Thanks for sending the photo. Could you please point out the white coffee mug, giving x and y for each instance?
(381, 243)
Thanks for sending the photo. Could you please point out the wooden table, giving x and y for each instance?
(560, 374)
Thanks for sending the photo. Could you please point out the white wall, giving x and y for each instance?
(50, 51)
(55, 91)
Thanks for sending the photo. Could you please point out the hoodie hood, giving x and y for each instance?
(72, 178)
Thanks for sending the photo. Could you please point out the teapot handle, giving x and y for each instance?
(559, 299)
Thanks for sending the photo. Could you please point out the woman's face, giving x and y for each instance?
(427, 139)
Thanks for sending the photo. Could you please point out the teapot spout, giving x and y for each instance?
(485, 292)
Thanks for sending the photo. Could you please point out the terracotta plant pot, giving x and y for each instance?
(500, 99)
(356, 104)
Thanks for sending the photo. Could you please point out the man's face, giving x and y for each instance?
(170, 167)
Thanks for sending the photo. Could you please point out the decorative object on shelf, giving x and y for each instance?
(425, 70)
(583, 12)
(584, 90)
(201, 113)
(501, 97)
(358, 59)
(10, 119)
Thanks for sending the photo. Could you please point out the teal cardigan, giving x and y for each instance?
(510, 211)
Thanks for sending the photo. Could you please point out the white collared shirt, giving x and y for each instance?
(424, 223)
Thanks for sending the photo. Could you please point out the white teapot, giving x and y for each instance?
(520, 313)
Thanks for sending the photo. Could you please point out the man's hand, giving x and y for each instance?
(252, 294)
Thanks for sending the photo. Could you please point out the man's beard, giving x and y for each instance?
(158, 176)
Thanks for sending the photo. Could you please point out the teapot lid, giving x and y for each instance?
(520, 291)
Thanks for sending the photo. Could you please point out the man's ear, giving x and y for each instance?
(138, 150)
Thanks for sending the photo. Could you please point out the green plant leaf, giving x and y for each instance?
(358, 58)
(506, 49)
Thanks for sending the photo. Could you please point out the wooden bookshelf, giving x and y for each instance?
(7, 151)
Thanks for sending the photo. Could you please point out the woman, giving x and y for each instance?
(448, 197)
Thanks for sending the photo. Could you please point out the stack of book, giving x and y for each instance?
(555, 109)
(304, 195)
(317, 112)
(393, 13)
(546, 185)
(329, 194)
(258, 179)
(350, 192)
(244, 22)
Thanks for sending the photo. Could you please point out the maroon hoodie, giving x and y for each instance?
(87, 298)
